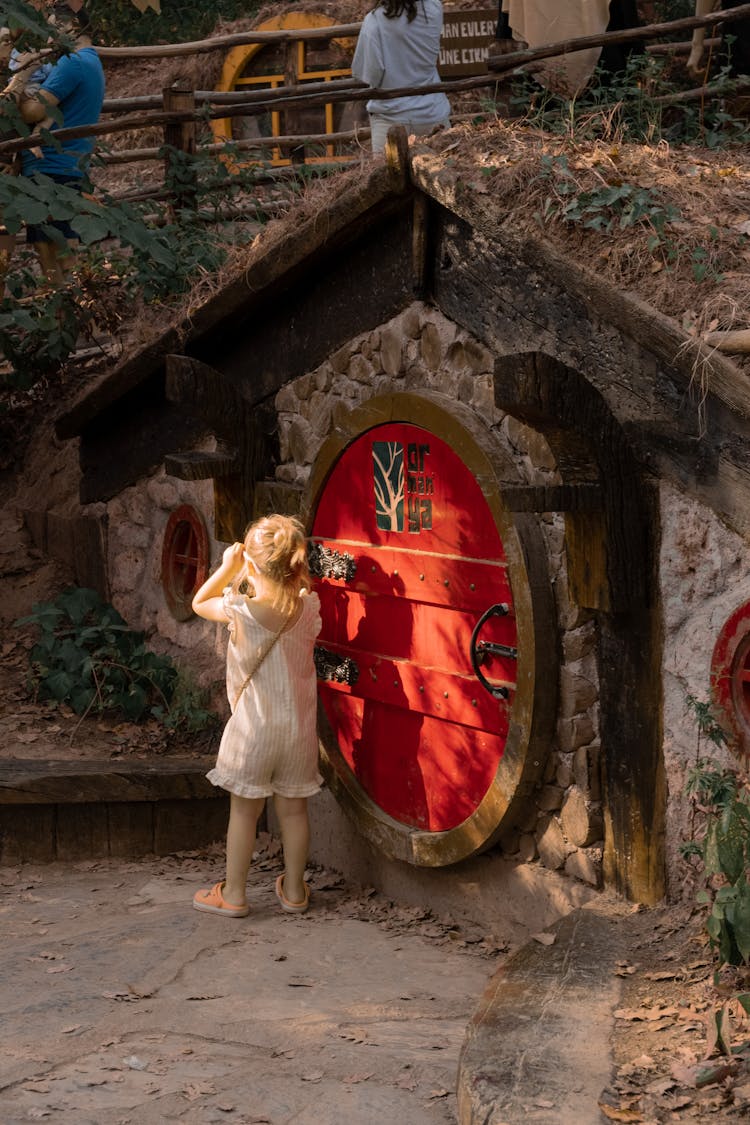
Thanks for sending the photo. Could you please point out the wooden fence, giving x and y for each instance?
(178, 111)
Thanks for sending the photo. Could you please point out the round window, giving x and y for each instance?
(184, 560)
(730, 676)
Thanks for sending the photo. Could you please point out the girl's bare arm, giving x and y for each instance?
(208, 601)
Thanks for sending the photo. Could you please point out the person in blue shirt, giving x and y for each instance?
(75, 88)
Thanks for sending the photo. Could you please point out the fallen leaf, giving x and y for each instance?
(37, 1087)
(663, 974)
(646, 1014)
(353, 1079)
(661, 1086)
(544, 939)
(69, 1030)
(615, 1114)
(196, 1090)
(680, 1102)
(301, 982)
(37, 1111)
(60, 968)
(312, 1076)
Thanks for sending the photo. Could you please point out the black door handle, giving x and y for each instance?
(479, 650)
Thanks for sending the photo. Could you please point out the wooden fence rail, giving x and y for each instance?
(293, 97)
(178, 111)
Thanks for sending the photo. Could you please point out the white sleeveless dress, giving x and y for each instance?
(270, 744)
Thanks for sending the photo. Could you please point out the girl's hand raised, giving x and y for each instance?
(232, 558)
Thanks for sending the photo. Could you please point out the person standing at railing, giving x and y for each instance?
(75, 88)
(398, 47)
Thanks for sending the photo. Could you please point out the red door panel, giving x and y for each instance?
(436, 579)
(417, 730)
(420, 770)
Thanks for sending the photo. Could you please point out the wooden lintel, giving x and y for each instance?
(200, 387)
(196, 465)
(584, 496)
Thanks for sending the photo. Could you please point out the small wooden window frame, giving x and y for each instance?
(184, 560)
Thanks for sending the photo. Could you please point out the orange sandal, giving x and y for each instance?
(291, 907)
(213, 902)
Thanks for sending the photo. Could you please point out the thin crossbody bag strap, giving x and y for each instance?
(261, 657)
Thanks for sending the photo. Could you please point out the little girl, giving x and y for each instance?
(270, 745)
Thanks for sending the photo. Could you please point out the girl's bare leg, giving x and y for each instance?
(243, 822)
(295, 839)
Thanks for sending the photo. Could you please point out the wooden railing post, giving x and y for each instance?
(292, 117)
(180, 137)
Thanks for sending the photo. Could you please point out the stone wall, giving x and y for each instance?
(705, 576)
(419, 350)
(136, 520)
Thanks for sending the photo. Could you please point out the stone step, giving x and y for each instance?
(61, 810)
(537, 1047)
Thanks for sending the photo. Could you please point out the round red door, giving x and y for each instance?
(409, 560)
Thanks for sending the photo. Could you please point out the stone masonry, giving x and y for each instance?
(420, 350)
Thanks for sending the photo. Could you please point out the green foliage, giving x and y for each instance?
(86, 656)
(629, 107)
(603, 208)
(722, 846)
(117, 21)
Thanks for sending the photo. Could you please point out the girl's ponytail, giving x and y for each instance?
(278, 547)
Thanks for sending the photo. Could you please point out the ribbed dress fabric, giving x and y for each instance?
(270, 744)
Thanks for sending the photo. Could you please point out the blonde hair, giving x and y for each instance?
(278, 547)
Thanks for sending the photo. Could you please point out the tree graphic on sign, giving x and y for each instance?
(388, 475)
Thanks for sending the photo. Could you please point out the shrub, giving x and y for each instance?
(88, 657)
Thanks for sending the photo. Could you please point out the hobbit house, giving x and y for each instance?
(527, 539)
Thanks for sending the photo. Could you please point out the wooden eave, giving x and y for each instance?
(276, 263)
(630, 314)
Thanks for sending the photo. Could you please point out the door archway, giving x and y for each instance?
(427, 749)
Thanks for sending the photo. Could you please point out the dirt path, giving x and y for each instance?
(122, 1004)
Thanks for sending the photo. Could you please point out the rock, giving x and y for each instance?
(411, 322)
(580, 865)
(551, 845)
(527, 848)
(431, 347)
(577, 693)
(339, 361)
(286, 400)
(360, 369)
(550, 798)
(586, 769)
(575, 732)
(579, 642)
(564, 775)
(581, 823)
(391, 351)
(322, 378)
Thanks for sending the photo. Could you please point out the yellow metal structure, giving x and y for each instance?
(234, 77)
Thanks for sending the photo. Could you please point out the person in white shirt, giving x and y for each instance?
(398, 47)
